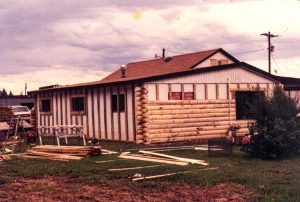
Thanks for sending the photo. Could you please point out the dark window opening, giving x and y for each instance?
(46, 105)
(244, 104)
(78, 104)
(176, 96)
(118, 103)
(189, 95)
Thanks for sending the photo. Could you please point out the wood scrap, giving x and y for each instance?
(105, 161)
(132, 168)
(158, 176)
(193, 161)
(105, 151)
(142, 157)
(168, 174)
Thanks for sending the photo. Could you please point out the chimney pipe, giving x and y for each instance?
(123, 71)
(163, 53)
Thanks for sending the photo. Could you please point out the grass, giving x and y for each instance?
(270, 180)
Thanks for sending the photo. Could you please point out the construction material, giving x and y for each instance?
(167, 174)
(4, 158)
(62, 152)
(5, 113)
(132, 168)
(141, 157)
(192, 161)
(105, 151)
(105, 161)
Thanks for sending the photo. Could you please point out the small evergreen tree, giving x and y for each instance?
(4, 93)
(10, 94)
(276, 133)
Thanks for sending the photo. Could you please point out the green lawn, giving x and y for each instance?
(268, 180)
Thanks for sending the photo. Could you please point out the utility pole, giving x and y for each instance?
(270, 47)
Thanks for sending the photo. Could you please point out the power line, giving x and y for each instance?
(252, 51)
(277, 65)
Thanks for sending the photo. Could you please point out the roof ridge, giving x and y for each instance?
(216, 49)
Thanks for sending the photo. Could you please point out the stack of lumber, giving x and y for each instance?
(61, 152)
(161, 158)
(5, 113)
(4, 158)
(186, 120)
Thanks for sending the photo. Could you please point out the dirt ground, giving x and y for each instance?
(69, 189)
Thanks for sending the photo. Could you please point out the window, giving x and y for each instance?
(213, 62)
(45, 105)
(244, 101)
(118, 103)
(176, 96)
(224, 61)
(189, 95)
(78, 104)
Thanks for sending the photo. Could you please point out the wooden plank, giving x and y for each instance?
(93, 112)
(118, 110)
(157, 91)
(182, 91)
(217, 91)
(132, 168)
(99, 114)
(105, 114)
(87, 113)
(126, 114)
(195, 91)
(134, 113)
(151, 159)
(193, 161)
(112, 115)
(206, 91)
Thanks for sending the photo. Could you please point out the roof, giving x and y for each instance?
(150, 68)
(289, 83)
(173, 74)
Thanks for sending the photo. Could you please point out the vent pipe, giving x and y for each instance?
(123, 71)
(163, 53)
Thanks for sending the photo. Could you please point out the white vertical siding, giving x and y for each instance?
(211, 91)
(151, 92)
(200, 91)
(130, 114)
(101, 102)
(188, 87)
(108, 113)
(222, 91)
(163, 92)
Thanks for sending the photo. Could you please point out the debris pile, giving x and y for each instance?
(5, 113)
(63, 153)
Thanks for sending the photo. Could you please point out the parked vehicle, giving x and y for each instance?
(21, 111)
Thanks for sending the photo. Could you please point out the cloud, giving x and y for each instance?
(98, 36)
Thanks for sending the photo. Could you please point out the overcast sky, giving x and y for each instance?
(72, 41)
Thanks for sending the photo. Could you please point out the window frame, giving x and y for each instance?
(84, 102)
(41, 105)
(116, 103)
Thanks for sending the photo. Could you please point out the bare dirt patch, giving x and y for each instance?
(65, 189)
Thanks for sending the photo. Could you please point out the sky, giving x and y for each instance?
(45, 42)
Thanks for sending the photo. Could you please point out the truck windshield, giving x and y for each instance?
(21, 109)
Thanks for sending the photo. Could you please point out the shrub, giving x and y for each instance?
(276, 133)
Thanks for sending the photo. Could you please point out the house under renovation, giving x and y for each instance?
(186, 97)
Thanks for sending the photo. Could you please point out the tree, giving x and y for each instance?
(276, 132)
(4, 93)
(10, 93)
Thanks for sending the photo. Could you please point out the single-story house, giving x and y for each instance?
(186, 97)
